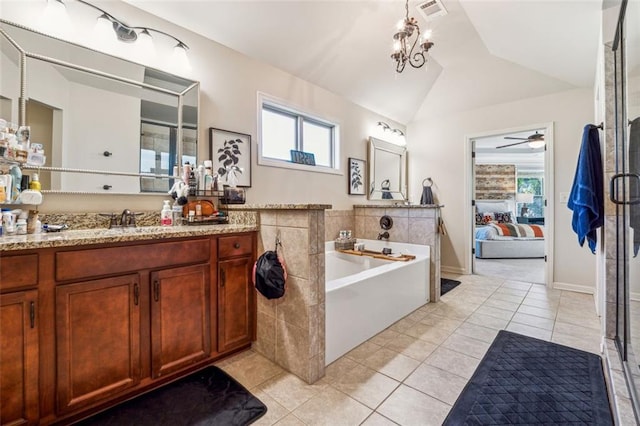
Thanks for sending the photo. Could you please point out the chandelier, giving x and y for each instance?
(405, 41)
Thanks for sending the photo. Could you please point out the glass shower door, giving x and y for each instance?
(625, 193)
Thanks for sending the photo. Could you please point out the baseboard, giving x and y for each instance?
(452, 270)
(574, 287)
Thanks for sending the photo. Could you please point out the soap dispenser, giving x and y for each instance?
(166, 215)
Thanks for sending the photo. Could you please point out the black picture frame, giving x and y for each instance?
(356, 175)
(228, 148)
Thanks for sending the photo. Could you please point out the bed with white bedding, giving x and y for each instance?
(498, 236)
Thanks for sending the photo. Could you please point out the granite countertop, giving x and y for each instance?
(102, 236)
(399, 206)
(277, 206)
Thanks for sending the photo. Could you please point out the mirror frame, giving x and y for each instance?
(22, 105)
(378, 146)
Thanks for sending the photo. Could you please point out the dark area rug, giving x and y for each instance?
(208, 397)
(522, 380)
(446, 285)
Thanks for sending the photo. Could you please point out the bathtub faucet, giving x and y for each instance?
(384, 235)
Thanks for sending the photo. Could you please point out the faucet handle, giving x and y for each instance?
(113, 220)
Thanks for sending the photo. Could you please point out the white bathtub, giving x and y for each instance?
(365, 295)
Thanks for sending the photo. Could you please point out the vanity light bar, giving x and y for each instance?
(127, 33)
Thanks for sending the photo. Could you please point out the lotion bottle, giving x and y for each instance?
(166, 215)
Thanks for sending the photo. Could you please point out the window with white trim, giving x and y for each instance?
(283, 129)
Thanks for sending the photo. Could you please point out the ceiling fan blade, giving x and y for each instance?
(512, 144)
(518, 139)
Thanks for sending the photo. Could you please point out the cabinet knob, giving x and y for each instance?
(106, 187)
(236, 245)
(107, 154)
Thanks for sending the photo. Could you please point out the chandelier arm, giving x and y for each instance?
(418, 60)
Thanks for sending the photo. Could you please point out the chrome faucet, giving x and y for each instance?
(128, 218)
(384, 235)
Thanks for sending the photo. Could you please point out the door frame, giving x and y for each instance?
(469, 193)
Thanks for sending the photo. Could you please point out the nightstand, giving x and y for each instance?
(530, 220)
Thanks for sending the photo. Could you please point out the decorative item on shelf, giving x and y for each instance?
(356, 176)
(233, 195)
(345, 241)
(231, 151)
(404, 45)
(301, 157)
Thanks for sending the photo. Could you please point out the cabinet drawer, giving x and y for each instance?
(235, 245)
(18, 271)
(115, 260)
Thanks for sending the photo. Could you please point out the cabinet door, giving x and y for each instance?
(98, 339)
(235, 303)
(19, 358)
(180, 330)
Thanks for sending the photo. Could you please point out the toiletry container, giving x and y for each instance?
(166, 215)
(21, 227)
(177, 214)
(35, 182)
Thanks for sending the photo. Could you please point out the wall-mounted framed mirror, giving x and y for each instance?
(387, 171)
(108, 125)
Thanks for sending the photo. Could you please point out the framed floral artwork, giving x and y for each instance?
(231, 155)
(356, 176)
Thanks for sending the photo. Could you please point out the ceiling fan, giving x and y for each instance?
(535, 140)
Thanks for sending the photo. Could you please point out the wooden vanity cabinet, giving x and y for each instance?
(98, 339)
(180, 325)
(236, 296)
(19, 358)
(19, 339)
(117, 320)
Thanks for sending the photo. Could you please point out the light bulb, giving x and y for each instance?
(180, 58)
(145, 47)
(55, 19)
(426, 35)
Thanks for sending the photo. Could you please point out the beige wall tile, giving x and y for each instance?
(292, 349)
(397, 212)
(400, 231)
(421, 231)
(268, 218)
(293, 218)
(293, 306)
(337, 222)
(267, 238)
(375, 212)
(422, 213)
(296, 242)
(313, 232)
(321, 232)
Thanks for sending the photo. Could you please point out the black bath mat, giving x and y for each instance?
(522, 380)
(208, 397)
(446, 285)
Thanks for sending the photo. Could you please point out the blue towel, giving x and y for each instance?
(587, 193)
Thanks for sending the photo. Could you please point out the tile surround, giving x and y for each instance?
(291, 329)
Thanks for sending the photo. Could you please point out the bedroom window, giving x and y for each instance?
(283, 129)
(533, 183)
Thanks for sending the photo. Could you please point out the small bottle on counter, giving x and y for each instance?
(166, 215)
(177, 214)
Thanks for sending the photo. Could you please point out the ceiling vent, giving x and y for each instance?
(431, 9)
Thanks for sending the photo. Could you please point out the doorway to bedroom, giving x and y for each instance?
(510, 190)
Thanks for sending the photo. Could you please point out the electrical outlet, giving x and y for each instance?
(564, 197)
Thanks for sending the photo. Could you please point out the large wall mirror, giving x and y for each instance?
(107, 125)
(387, 171)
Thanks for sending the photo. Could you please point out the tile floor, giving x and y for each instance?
(412, 372)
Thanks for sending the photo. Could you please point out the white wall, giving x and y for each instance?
(436, 147)
(229, 82)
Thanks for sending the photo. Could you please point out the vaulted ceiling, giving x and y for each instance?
(486, 52)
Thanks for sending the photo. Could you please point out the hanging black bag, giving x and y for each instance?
(270, 274)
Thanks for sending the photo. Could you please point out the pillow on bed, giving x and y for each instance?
(503, 217)
(484, 218)
(518, 230)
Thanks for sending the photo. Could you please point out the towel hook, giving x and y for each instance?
(427, 180)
